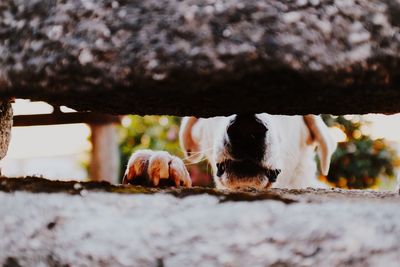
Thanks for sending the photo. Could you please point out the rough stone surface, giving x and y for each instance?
(6, 122)
(93, 228)
(203, 57)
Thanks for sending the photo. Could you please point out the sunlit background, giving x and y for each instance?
(63, 151)
(56, 152)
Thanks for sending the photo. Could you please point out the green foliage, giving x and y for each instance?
(359, 162)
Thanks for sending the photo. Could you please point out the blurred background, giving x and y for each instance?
(367, 154)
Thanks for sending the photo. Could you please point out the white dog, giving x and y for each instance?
(245, 151)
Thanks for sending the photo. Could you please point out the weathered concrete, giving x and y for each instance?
(92, 228)
(6, 122)
(203, 57)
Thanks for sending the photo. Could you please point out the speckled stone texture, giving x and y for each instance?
(98, 224)
(203, 57)
(6, 122)
(92, 228)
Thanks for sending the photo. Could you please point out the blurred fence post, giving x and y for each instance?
(104, 163)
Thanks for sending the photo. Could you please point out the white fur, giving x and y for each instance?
(289, 147)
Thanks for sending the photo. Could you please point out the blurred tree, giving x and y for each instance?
(360, 161)
(157, 133)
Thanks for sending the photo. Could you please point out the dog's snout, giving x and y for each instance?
(246, 137)
(246, 127)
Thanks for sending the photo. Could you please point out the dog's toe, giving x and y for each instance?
(179, 173)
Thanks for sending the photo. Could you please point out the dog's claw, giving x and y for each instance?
(148, 168)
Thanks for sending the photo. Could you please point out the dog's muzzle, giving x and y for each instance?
(246, 146)
(246, 170)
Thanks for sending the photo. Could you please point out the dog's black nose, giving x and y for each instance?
(246, 127)
(246, 135)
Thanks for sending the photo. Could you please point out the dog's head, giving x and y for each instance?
(256, 150)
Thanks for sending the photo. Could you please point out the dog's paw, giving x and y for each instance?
(156, 168)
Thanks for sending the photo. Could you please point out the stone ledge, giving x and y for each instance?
(287, 196)
(95, 228)
(196, 57)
